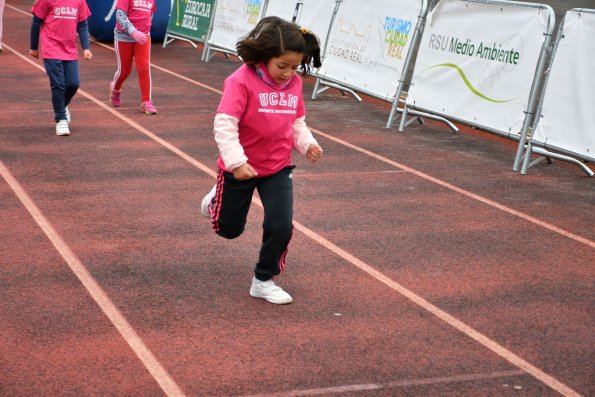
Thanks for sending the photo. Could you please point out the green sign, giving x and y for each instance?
(191, 18)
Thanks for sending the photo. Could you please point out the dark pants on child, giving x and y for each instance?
(64, 82)
(230, 210)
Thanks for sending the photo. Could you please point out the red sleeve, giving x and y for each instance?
(123, 5)
(40, 9)
(84, 12)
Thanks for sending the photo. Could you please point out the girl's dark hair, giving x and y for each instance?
(273, 36)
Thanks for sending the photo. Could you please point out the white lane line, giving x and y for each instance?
(129, 121)
(390, 385)
(441, 314)
(459, 325)
(464, 192)
(345, 173)
(167, 384)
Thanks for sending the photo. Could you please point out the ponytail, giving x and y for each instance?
(312, 52)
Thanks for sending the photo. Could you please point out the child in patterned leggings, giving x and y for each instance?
(132, 42)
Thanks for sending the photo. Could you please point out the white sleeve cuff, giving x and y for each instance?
(225, 128)
(302, 136)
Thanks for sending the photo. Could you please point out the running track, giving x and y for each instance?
(421, 264)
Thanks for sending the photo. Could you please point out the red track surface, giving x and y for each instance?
(421, 265)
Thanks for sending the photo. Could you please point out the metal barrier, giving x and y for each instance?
(368, 47)
(480, 63)
(564, 123)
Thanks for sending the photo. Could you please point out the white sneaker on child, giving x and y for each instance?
(206, 200)
(62, 128)
(67, 114)
(270, 291)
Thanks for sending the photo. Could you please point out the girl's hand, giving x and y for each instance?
(314, 153)
(244, 172)
(34, 53)
(87, 54)
(139, 37)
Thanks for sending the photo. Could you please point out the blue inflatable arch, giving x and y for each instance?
(103, 19)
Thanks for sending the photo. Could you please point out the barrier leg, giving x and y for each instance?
(403, 118)
(527, 157)
(169, 38)
(419, 119)
(430, 116)
(316, 87)
(391, 115)
(342, 89)
(525, 136)
(540, 160)
(205, 53)
(548, 156)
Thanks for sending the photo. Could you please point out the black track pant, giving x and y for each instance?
(230, 210)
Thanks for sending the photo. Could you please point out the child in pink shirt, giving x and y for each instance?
(133, 42)
(59, 22)
(260, 119)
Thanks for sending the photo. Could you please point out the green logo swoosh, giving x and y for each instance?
(468, 83)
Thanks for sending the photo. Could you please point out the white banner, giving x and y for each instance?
(233, 20)
(368, 44)
(477, 62)
(568, 110)
(315, 15)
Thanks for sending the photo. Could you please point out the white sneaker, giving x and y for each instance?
(270, 291)
(62, 128)
(67, 114)
(206, 200)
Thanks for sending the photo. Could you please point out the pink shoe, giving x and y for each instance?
(114, 96)
(147, 108)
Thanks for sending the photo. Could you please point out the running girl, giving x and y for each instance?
(260, 119)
